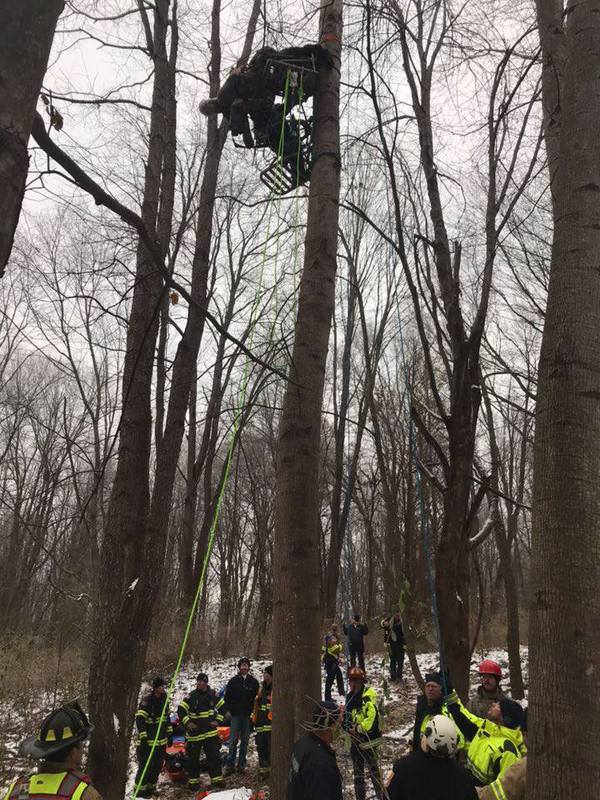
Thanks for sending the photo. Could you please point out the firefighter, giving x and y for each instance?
(332, 655)
(314, 773)
(262, 719)
(495, 743)
(489, 691)
(155, 732)
(432, 772)
(201, 713)
(59, 744)
(362, 720)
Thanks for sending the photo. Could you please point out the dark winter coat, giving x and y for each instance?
(148, 720)
(424, 710)
(314, 773)
(393, 635)
(356, 633)
(199, 712)
(239, 695)
(421, 776)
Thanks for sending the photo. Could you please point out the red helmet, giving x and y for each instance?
(489, 667)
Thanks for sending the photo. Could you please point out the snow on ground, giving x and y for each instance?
(22, 717)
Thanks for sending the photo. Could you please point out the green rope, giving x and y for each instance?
(228, 463)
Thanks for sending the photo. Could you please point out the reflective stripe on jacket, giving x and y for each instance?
(462, 743)
(363, 711)
(198, 712)
(262, 716)
(511, 786)
(151, 730)
(493, 749)
(64, 785)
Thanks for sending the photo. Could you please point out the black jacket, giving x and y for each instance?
(314, 774)
(421, 712)
(356, 635)
(421, 776)
(200, 710)
(239, 695)
(148, 720)
(393, 634)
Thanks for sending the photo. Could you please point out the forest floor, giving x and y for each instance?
(21, 716)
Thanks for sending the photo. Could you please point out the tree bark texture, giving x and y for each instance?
(296, 612)
(132, 621)
(26, 34)
(120, 635)
(564, 754)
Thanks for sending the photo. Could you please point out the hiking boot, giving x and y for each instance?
(241, 770)
(228, 769)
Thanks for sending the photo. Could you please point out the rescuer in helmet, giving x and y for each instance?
(59, 746)
(488, 691)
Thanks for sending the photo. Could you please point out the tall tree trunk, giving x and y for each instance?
(26, 34)
(564, 758)
(120, 643)
(503, 544)
(296, 613)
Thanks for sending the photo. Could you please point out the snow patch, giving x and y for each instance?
(134, 583)
(116, 724)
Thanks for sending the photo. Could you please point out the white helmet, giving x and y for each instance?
(441, 736)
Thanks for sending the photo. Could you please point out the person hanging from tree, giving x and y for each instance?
(249, 93)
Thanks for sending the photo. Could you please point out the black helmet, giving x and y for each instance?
(61, 729)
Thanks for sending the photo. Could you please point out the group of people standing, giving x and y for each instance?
(245, 703)
(475, 751)
(472, 752)
(332, 650)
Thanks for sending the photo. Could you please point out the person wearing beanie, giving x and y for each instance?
(432, 772)
(511, 786)
(201, 713)
(489, 690)
(240, 693)
(154, 734)
(356, 632)
(314, 773)
(262, 720)
(429, 704)
(495, 743)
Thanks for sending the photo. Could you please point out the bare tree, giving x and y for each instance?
(296, 614)
(564, 756)
(26, 34)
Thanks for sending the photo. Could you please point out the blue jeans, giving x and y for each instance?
(239, 731)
